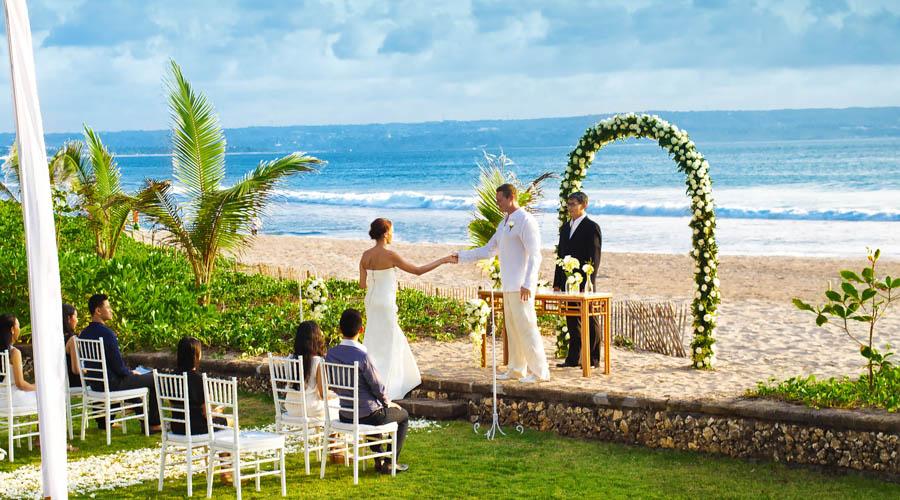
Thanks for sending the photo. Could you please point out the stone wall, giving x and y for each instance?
(744, 428)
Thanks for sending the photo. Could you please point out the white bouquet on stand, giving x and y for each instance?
(477, 313)
(315, 294)
(491, 269)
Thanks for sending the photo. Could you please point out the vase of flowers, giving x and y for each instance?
(570, 265)
(588, 271)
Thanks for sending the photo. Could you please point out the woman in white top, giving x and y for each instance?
(309, 345)
(384, 340)
(22, 391)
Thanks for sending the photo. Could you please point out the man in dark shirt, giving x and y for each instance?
(120, 377)
(375, 408)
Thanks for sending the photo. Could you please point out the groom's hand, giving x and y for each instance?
(454, 258)
(525, 294)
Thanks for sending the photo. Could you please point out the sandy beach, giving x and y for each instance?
(761, 335)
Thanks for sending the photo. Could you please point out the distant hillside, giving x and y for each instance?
(709, 126)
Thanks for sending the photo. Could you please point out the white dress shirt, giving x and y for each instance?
(518, 242)
(574, 225)
(356, 344)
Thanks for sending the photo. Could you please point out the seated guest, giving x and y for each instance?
(22, 392)
(70, 321)
(375, 408)
(309, 345)
(188, 361)
(119, 375)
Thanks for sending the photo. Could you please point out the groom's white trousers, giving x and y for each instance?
(526, 348)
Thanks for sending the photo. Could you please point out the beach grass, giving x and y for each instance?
(453, 461)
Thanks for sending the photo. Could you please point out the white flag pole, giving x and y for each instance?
(43, 261)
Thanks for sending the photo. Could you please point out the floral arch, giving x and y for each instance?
(703, 219)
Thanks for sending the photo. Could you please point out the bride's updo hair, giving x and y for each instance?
(379, 228)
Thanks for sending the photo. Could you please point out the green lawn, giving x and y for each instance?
(455, 462)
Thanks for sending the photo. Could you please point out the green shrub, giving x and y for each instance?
(156, 302)
(838, 392)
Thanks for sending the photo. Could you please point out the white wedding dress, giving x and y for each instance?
(384, 340)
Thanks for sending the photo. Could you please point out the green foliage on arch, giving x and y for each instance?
(703, 219)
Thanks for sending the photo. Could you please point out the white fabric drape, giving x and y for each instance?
(40, 244)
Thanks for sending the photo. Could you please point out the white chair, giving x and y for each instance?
(99, 404)
(22, 420)
(228, 446)
(344, 380)
(74, 393)
(174, 407)
(288, 392)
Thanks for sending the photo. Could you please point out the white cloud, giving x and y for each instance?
(371, 61)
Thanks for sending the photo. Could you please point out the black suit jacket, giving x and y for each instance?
(584, 245)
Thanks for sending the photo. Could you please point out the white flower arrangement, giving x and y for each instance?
(562, 337)
(477, 312)
(699, 190)
(570, 265)
(491, 269)
(315, 295)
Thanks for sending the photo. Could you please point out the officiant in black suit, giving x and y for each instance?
(580, 237)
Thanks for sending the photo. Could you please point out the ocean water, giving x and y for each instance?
(816, 198)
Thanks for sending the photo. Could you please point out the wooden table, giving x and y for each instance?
(583, 305)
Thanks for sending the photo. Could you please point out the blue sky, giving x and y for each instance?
(284, 62)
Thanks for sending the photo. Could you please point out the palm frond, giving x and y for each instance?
(222, 217)
(105, 172)
(11, 171)
(534, 192)
(160, 205)
(65, 165)
(198, 144)
(493, 173)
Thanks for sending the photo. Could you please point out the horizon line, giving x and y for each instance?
(426, 122)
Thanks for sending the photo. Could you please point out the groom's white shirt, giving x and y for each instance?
(518, 242)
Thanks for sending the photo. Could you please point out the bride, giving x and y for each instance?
(384, 340)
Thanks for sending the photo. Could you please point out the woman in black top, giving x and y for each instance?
(70, 321)
(188, 361)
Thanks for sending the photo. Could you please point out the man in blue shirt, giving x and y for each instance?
(120, 377)
(375, 408)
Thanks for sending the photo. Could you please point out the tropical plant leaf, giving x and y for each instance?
(851, 276)
(487, 215)
(11, 172)
(850, 290)
(162, 207)
(65, 164)
(223, 216)
(803, 306)
(198, 144)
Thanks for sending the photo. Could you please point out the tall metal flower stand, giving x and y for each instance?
(495, 427)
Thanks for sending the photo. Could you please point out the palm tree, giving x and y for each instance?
(487, 216)
(213, 218)
(62, 168)
(101, 196)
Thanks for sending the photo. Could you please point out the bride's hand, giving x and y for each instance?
(451, 259)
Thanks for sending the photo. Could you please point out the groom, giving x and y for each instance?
(518, 241)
